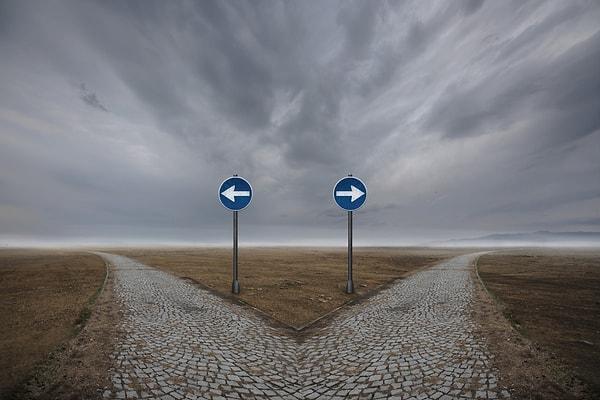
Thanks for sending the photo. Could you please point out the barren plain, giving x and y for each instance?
(551, 297)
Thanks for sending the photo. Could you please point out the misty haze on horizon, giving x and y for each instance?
(499, 240)
(119, 120)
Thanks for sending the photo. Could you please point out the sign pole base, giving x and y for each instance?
(235, 287)
(349, 287)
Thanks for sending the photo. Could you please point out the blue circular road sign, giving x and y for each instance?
(235, 193)
(350, 193)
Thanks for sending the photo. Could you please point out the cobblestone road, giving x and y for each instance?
(414, 340)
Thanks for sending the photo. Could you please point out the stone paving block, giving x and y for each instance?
(413, 340)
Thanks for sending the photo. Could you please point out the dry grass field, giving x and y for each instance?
(294, 285)
(552, 297)
(44, 298)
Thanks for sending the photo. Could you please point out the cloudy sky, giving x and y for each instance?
(118, 120)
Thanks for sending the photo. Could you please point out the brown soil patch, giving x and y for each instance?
(552, 299)
(46, 298)
(81, 370)
(293, 285)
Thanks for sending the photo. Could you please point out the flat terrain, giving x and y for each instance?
(44, 295)
(553, 298)
(294, 285)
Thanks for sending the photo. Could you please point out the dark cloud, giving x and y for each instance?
(471, 6)
(461, 117)
(90, 98)
(359, 22)
(565, 88)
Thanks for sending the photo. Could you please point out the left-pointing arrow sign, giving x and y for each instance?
(231, 193)
(235, 193)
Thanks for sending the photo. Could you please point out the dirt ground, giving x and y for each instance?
(552, 299)
(45, 298)
(82, 369)
(293, 285)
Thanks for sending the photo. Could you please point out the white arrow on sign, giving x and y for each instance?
(354, 193)
(231, 194)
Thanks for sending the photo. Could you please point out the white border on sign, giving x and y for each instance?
(251, 192)
(358, 179)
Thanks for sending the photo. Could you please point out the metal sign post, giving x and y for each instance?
(235, 285)
(235, 194)
(350, 193)
(350, 283)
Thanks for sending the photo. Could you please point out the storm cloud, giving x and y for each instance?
(119, 119)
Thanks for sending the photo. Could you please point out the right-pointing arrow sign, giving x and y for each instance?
(350, 193)
(354, 193)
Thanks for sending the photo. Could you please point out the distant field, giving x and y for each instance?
(43, 296)
(295, 285)
(553, 298)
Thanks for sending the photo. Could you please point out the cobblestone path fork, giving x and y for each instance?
(414, 340)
